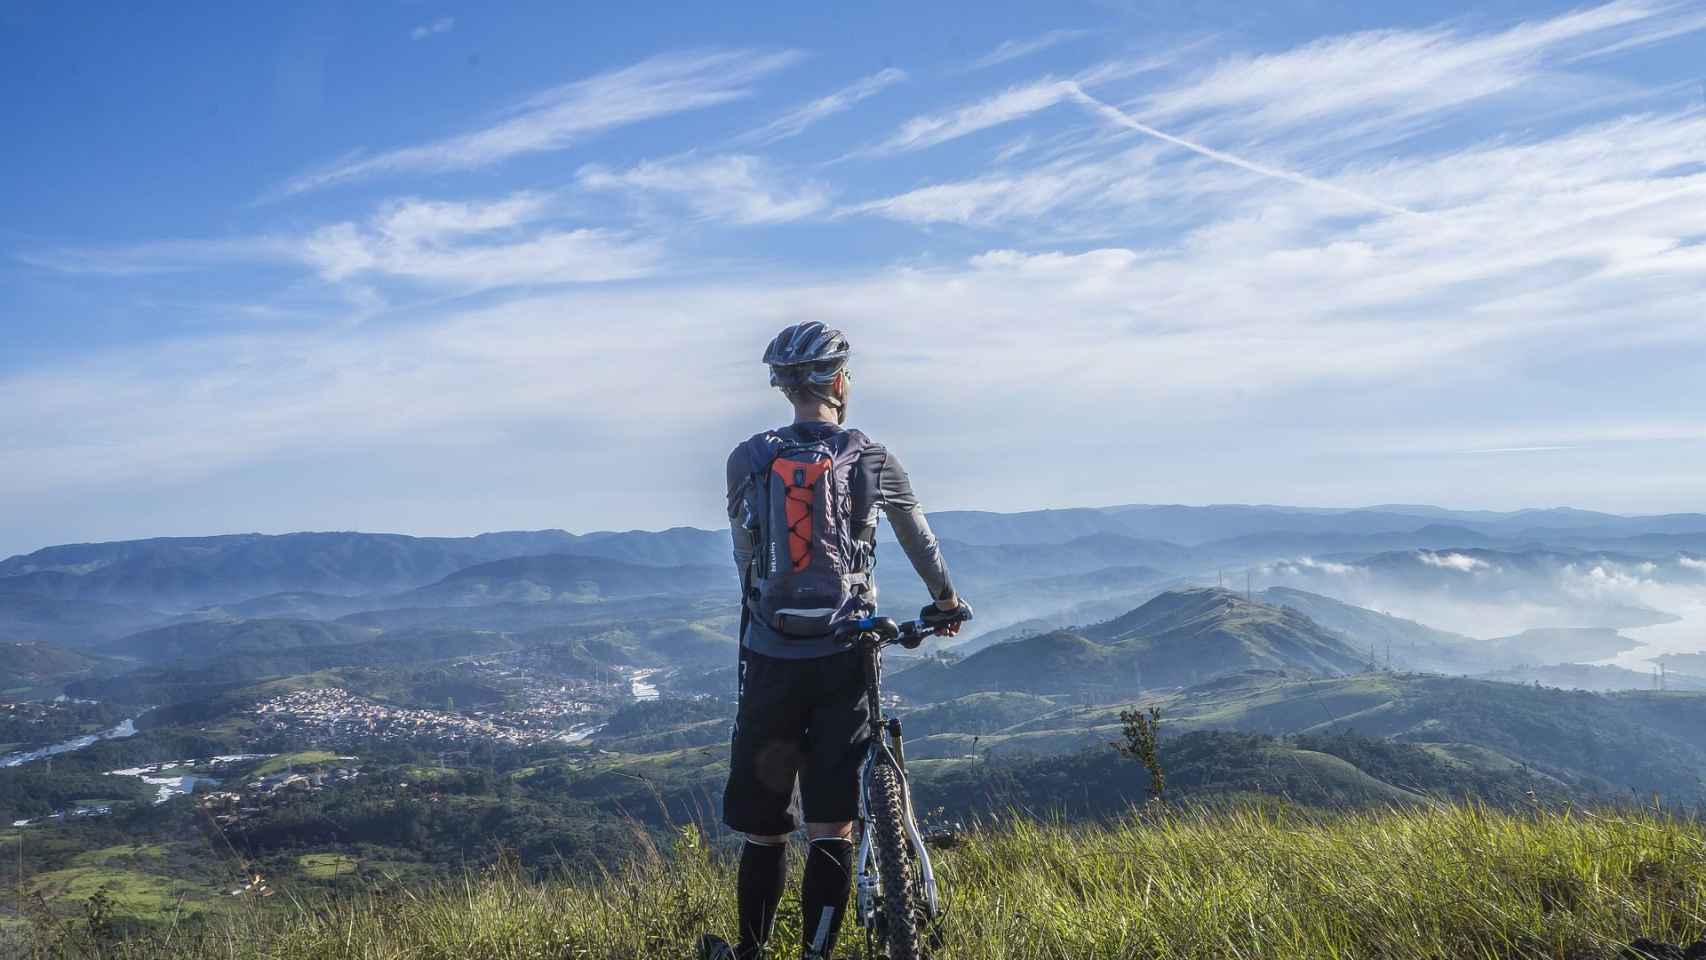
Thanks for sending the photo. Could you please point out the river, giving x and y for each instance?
(1687, 634)
(579, 732)
(125, 729)
(175, 786)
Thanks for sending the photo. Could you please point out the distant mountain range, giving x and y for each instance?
(1033, 575)
(182, 572)
(179, 572)
(1198, 525)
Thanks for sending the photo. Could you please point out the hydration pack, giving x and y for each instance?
(810, 569)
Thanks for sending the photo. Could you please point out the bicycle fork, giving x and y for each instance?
(868, 885)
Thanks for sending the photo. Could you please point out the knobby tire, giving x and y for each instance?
(895, 865)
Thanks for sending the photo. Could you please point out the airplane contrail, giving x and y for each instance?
(1126, 120)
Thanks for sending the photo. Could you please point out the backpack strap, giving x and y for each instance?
(761, 452)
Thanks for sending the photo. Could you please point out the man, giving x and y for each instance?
(802, 710)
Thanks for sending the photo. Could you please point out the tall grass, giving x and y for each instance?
(1451, 882)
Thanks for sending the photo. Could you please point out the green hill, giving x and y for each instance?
(203, 641)
(1587, 676)
(563, 578)
(1571, 737)
(976, 714)
(44, 666)
(1057, 662)
(210, 670)
(29, 617)
(1203, 766)
(1203, 632)
(1180, 637)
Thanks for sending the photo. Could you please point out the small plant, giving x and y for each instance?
(690, 844)
(98, 916)
(1141, 742)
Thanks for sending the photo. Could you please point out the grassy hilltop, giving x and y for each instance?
(1437, 882)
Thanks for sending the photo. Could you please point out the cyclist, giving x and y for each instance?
(802, 712)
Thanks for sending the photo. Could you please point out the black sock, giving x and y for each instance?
(763, 871)
(823, 891)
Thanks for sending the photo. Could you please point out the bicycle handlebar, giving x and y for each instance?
(909, 634)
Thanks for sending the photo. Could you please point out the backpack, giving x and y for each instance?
(810, 569)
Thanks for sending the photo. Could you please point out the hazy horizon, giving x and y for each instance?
(717, 524)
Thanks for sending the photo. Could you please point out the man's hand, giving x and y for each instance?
(949, 605)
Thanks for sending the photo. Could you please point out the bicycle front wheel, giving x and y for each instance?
(895, 865)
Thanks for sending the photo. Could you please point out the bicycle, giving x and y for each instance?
(898, 901)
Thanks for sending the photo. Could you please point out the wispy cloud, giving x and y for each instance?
(1014, 103)
(160, 256)
(441, 25)
(1272, 115)
(1380, 85)
(795, 122)
(1011, 104)
(474, 246)
(735, 188)
(1675, 22)
(1014, 49)
(556, 118)
(997, 199)
(477, 245)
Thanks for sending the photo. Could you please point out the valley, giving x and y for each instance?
(314, 713)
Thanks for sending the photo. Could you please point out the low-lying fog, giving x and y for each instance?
(1486, 594)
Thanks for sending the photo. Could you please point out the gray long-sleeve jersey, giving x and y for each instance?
(880, 487)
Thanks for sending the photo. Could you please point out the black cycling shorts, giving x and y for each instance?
(797, 718)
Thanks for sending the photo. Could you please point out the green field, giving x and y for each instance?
(122, 855)
(134, 893)
(284, 761)
(326, 866)
(1420, 882)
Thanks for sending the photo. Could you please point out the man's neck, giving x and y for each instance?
(820, 414)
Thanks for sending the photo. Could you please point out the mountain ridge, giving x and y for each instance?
(1180, 637)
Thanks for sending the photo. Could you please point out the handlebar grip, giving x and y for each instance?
(935, 616)
(884, 627)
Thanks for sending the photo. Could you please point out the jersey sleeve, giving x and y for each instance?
(739, 477)
(894, 495)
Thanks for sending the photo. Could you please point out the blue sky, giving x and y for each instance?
(433, 269)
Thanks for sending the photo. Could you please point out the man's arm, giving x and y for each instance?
(900, 505)
(739, 475)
